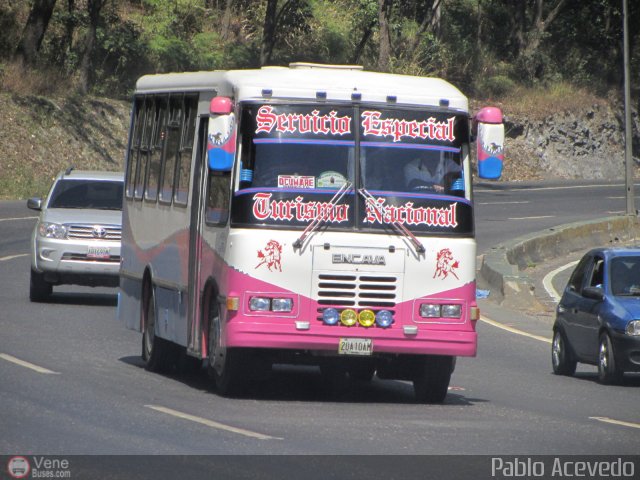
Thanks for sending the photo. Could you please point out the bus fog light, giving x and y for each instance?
(259, 304)
(451, 311)
(429, 310)
(633, 328)
(366, 318)
(281, 304)
(330, 316)
(348, 317)
(384, 318)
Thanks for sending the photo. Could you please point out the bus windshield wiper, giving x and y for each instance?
(399, 227)
(313, 226)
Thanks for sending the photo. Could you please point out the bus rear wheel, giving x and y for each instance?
(158, 354)
(226, 367)
(431, 380)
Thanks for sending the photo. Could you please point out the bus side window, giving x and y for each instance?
(156, 147)
(183, 168)
(144, 151)
(217, 207)
(134, 147)
(171, 148)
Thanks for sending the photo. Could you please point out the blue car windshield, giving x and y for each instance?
(625, 276)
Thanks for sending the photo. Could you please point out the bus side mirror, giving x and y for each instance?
(221, 136)
(489, 130)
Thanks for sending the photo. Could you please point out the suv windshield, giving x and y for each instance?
(96, 194)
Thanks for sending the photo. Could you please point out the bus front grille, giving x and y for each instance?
(359, 290)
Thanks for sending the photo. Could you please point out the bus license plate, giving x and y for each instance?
(98, 252)
(355, 346)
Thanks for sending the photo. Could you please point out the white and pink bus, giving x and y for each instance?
(315, 214)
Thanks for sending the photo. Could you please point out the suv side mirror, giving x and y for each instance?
(34, 203)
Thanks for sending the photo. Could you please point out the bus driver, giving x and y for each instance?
(428, 172)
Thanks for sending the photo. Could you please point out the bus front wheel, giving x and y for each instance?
(157, 353)
(431, 380)
(226, 367)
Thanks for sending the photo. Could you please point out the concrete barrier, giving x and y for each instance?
(504, 268)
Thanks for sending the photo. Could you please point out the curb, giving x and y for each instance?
(503, 268)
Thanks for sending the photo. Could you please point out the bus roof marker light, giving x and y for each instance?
(321, 95)
(267, 92)
(392, 99)
(330, 316)
(356, 96)
(220, 106)
(444, 102)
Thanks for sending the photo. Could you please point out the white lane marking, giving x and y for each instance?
(514, 330)
(16, 218)
(22, 363)
(211, 423)
(531, 218)
(11, 257)
(616, 422)
(502, 203)
(547, 281)
(563, 187)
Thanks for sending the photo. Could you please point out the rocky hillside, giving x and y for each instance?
(583, 144)
(41, 136)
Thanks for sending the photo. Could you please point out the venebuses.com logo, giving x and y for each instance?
(38, 467)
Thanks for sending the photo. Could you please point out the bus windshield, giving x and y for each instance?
(294, 158)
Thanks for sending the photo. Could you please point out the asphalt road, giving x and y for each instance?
(95, 398)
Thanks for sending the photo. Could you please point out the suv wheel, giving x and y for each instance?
(39, 289)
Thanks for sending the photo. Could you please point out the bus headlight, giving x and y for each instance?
(281, 304)
(348, 317)
(384, 318)
(259, 304)
(429, 310)
(330, 316)
(451, 311)
(366, 318)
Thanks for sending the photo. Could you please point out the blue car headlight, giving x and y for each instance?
(633, 328)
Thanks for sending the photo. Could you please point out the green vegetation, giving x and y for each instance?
(531, 56)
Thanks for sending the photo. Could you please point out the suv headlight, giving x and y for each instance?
(52, 230)
(633, 328)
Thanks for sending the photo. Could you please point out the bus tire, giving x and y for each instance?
(158, 354)
(226, 367)
(431, 380)
(362, 371)
(39, 289)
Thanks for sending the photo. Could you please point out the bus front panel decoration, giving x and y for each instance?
(348, 242)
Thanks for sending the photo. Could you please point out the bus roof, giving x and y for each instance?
(303, 81)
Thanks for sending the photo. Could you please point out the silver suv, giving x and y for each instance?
(77, 237)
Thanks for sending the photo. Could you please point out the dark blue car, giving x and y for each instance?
(598, 317)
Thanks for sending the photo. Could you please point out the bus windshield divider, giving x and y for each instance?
(312, 227)
(400, 228)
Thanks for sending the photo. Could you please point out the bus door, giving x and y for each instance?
(215, 156)
(195, 278)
